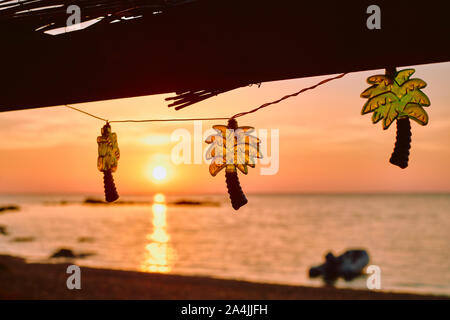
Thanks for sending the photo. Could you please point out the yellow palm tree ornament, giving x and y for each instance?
(394, 96)
(108, 158)
(233, 148)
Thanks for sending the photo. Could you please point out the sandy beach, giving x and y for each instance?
(20, 280)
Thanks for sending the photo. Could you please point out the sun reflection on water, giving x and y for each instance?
(158, 251)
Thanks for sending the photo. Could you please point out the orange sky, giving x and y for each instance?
(325, 144)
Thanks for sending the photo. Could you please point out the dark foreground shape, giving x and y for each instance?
(349, 265)
(48, 281)
(204, 47)
(400, 155)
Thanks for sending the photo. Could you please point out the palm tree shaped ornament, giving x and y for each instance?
(394, 96)
(107, 161)
(233, 148)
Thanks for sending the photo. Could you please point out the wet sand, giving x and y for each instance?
(19, 280)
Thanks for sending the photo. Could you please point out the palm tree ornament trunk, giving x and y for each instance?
(233, 148)
(394, 96)
(108, 158)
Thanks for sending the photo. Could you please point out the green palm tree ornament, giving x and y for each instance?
(233, 148)
(394, 96)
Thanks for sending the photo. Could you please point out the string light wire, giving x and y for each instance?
(237, 115)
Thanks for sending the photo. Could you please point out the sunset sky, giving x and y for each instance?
(325, 143)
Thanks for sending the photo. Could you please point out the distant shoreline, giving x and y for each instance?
(20, 280)
(254, 193)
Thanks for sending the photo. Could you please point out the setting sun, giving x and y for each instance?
(159, 173)
(159, 169)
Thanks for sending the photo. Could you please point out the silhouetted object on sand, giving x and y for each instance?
(69, 254)
(47, 281)
(349, 265)
(9, 208)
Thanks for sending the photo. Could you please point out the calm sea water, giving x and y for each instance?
(275, 238)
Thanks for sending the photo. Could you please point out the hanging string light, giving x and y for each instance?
(233, 148)
(394, 96)
(108, 158)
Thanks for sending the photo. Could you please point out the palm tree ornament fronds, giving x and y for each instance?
(233, 148)
(394, 96)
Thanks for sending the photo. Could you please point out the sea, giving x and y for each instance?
(275, 238)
